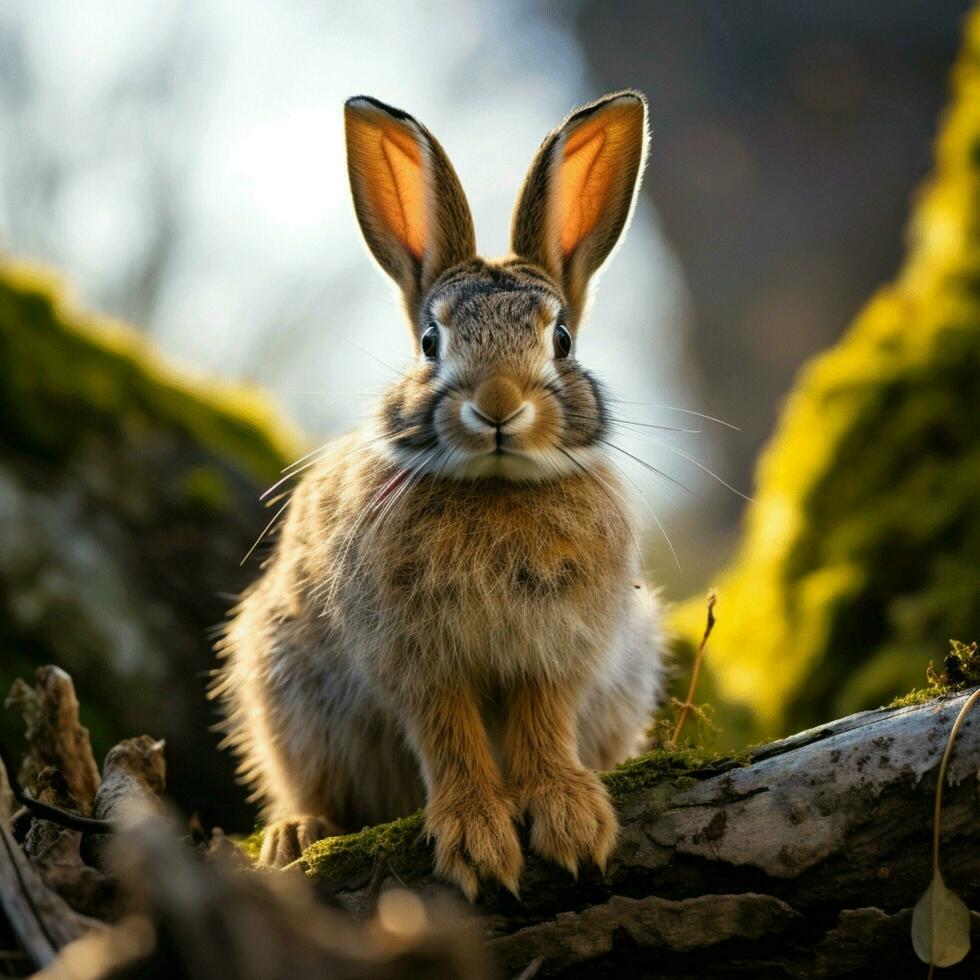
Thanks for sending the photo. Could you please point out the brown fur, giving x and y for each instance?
(452, 614)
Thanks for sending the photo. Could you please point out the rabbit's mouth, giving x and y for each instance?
(500, 462)
(532, 466)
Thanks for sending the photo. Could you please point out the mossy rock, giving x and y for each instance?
(859, 557)
(68, 374)
(128, 497)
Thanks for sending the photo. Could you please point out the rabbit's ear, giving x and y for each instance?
(579, 193)
(408, 199)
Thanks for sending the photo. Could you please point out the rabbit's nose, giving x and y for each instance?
(497, 400)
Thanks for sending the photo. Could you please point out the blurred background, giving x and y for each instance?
(191, 180)
(181, 165)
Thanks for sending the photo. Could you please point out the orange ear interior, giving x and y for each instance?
(590, 172)
(391, 171)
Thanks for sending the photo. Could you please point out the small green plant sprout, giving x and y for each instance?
(687, 705)
(941, 920)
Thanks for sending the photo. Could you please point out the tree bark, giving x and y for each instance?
(804, 863)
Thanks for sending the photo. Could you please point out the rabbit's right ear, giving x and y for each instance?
(408, 199)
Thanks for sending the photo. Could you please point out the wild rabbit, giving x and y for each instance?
(454, 615)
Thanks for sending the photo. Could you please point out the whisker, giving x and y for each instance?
(685, 411)
(265, 531)
(653, 513)
(670, 544)
(370, 511)
(404, 480)
(414, 475)
(612, 495)
(275, 486)
(649, 466)
(581, 417)
(302, 459)
(295, 468)
(333, 583)
(701, 466)
(394, 489)
(652, 425)
(373, 357)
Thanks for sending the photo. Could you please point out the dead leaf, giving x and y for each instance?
(940, 925)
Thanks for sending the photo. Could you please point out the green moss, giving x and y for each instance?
(917, 696)
(69, 375)
(859, 555)
(961, 670)
(251, 845)
(657, 766)
(401, 844)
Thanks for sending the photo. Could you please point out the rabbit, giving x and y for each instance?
(453, 615)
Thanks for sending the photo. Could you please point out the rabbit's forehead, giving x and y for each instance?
(480, 315)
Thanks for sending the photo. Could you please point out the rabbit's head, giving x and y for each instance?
(496, 388)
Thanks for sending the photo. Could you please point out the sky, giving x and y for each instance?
(182, 163)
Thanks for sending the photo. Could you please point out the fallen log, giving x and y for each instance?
(805, 862)
(802, 859)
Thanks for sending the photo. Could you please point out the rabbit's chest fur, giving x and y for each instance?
(484, 579)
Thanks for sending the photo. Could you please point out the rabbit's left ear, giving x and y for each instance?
(579, 194)
(408, 199)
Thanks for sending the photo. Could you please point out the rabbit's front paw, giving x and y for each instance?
(475, 838)
(572, 819)
(285, 840)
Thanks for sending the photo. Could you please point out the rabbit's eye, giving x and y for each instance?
(563, 341)
(430, 341)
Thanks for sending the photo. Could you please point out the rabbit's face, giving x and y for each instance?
(496, 390)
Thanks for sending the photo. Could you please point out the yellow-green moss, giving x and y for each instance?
(917, 696)
(68, 375)
(401, 844)
(961, 670)
(860, 555)
(251, 845)
(657, 766)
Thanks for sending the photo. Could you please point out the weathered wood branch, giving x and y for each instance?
(804, 863)
(39, 918)
(56, 736)
(50, 892)
(55, 851)
(134, 774)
